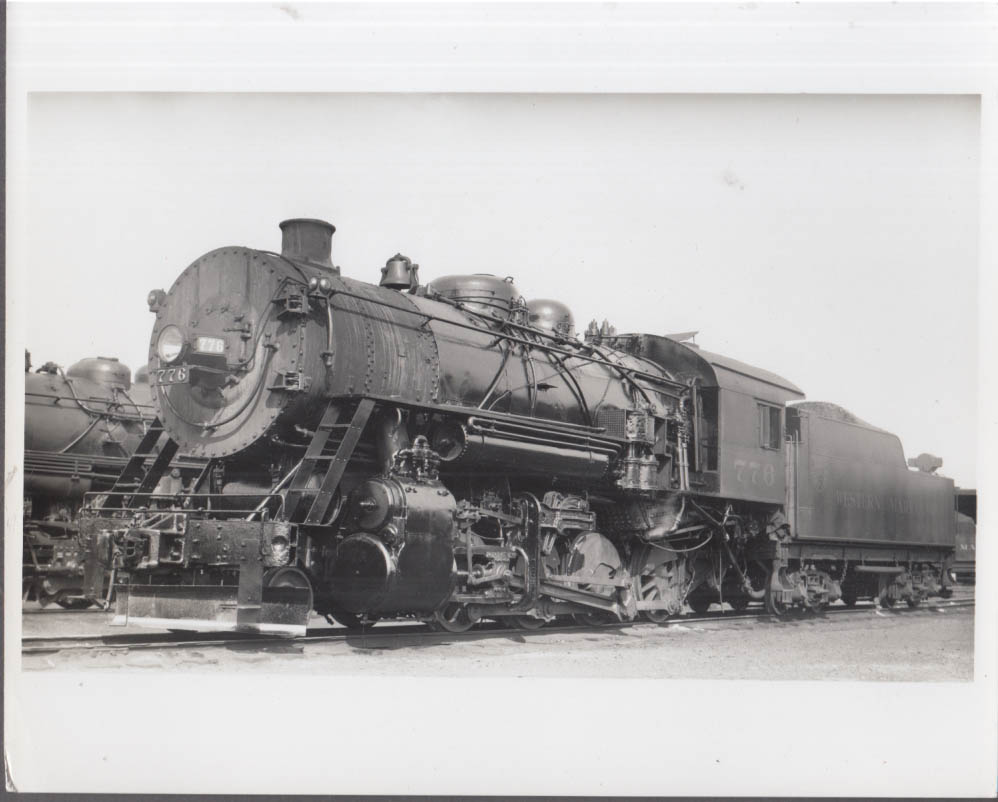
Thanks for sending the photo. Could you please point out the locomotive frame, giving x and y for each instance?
(451, 452)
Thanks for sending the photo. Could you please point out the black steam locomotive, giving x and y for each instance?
(451, 452)
(81, 426)
(964, 567)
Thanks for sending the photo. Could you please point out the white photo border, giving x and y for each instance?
(259, 734)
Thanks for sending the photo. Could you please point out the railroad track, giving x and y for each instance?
(387, 633)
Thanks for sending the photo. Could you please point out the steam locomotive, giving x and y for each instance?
(451, 452)
(81, 426)
(964, 566)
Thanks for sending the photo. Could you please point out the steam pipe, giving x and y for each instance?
(599, 359)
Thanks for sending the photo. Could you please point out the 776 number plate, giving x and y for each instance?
(179, 375)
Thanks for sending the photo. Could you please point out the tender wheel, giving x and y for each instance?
(886, 601)
(528, 622)
(913, 601)
(849, 599)
(351, 620)
(453, 618)
(779, 581)
(656, 616)
(776, 608)
(74, 604)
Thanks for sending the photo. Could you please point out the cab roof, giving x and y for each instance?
(729, 372)
(685, 360)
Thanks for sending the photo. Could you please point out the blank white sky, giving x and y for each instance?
(832, 240)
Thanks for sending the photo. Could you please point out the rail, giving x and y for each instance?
(390, 633)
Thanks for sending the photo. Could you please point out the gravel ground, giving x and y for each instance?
(931, 644)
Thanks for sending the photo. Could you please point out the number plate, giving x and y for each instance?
(179, 375)
(210, 345)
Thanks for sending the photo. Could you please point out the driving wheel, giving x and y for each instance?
(452, 618)
(651, 588)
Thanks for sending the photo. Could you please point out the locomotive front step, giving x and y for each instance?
(283, 610)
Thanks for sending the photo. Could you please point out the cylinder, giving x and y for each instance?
(306, 240)
(362, 573)
(404, 561)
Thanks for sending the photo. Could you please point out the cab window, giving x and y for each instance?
(770, 430)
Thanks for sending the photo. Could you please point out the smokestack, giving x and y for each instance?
(308, 241)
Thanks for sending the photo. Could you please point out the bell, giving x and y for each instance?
(399, 273)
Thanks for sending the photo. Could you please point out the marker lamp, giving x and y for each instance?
(170, 344)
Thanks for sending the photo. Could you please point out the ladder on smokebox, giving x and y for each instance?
(318, 452)
(134, 479)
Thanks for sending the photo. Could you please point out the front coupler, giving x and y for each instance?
(180, 570)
